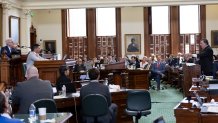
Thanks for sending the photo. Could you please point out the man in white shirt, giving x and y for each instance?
(34, 56)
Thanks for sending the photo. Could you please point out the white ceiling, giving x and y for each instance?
(58, 4)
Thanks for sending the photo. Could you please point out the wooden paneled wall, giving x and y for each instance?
(168, 44)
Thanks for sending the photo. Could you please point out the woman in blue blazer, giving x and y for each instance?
(4, 111)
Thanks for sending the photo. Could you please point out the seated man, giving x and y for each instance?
(157, 70)
(29, 91)
(5, 110)
(79, 66)
(94, 87)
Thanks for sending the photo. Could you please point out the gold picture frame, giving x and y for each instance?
(132, 44)
(214, 38)
(49, 46)
(14, 29)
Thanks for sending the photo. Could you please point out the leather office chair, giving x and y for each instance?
(48, 103)
(138, 103)
(24, 68)
(89, 104)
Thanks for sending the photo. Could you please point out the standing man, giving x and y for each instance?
(9, 49)
(94, 87)
(34, 56)
(29, 91)
(206, 58)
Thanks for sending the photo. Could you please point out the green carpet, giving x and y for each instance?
(163, 102)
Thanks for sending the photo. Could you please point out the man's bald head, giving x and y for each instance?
(32, 72)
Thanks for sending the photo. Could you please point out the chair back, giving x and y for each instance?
(24, 68)
(138, 100)
(213, 81)
(49, 104)
(90, 102)
(159, 120)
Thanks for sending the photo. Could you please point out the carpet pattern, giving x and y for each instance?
(163, 102)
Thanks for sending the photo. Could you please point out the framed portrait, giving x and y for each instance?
(49, 46)
(214, 38)
(132, 44)
(14, 29)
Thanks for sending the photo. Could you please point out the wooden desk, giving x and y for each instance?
(49, 70)
(135, 79)
(118, 97)
(185, 114)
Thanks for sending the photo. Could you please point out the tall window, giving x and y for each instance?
(189, 19)
(76, 22)
(160, 20)
(105, 22)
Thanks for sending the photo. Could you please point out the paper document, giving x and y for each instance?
(212, 109)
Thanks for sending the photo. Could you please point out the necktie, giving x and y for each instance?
(158, 64)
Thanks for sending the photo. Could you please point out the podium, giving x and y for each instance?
(49, 70)
(189, 71)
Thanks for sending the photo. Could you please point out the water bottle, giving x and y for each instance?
(32, 112)
(106, 81)
(64, 90)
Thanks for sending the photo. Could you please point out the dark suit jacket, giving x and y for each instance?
(8, 53)
(78, 68)
(64, 80)
(96, 88)
(158, 69)
(7, 120)
(206, 60)
(29, 91)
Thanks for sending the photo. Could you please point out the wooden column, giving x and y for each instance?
(174, 29)
(91, 32)
(147, 26)
(118, 33)
(64, 31)
(1, 28)
(203, 21)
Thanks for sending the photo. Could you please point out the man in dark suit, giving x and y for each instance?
(94, 87)
(9, 49)
(157, 71)
(79, 66)
(206, 58)
(31, 90)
